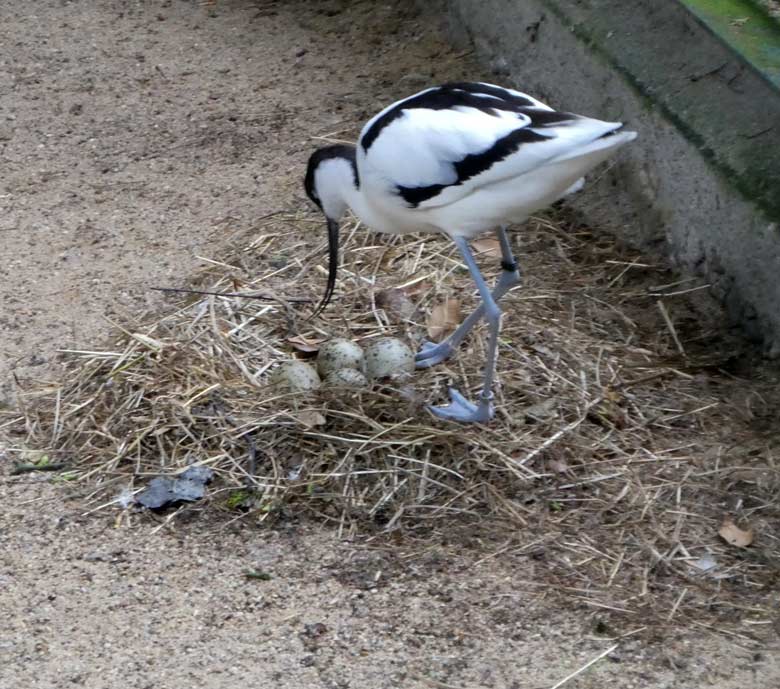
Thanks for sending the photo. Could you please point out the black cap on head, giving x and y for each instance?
(320, 155)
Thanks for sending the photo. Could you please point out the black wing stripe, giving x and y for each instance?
(414, 196)
(489, 90)
(476, 163)
(473, 164)
(549, 118)
(458, 94)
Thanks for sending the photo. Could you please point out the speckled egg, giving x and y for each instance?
(337, 354)
(296, 376)
(388, 356)
(346, 378)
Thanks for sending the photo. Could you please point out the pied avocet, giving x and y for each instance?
(461, 159)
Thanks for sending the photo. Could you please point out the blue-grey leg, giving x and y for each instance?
(432, 353)
(461, 409)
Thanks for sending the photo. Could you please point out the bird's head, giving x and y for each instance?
(331, 172)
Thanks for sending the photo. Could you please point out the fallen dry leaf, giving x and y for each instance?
(444, 318)
(416, 288)
(706, 563)
(396, 304)
(390, 255)
(305, 345)
(608, 415)
(733, 535)
(542, 411)
(558, 465)
(310, 418)
(488, 247)
(545, 351)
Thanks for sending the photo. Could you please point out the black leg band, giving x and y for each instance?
(510, 266)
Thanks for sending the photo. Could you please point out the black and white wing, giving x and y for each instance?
(442, 144)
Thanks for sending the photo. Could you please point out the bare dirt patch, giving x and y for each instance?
(90, 602)
(137, 137)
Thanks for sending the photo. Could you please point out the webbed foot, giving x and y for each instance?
(431, 353)
(460, 409)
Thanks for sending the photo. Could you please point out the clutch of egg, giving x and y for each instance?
(343, 363)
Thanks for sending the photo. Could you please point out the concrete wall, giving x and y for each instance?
(702, 182)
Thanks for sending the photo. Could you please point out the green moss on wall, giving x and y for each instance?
(747, 28)
(742, 157)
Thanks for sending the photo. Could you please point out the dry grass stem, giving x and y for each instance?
(584, 667)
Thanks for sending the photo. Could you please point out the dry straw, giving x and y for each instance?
(617, 449)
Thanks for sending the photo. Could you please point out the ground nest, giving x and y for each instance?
(626, 456)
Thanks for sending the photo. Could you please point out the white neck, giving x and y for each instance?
(335, 183)
(357, 202)
(337, 189)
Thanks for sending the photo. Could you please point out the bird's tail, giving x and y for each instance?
(612, 139)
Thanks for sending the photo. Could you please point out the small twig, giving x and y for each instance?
(680, 292)
(29, 468)
(251, 464)
(561, 432)
(676, 605)
(584, 667)
(670, 325)
(436, 683)
(264, 297)
(660, 290)
(593, 479)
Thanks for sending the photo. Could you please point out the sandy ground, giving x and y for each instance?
(92, 603)
(135, 139)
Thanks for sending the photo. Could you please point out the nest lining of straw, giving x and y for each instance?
(614, 456)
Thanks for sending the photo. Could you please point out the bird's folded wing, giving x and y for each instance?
(424, 157)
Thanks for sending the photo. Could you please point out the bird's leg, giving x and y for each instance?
(432, 353)
(460, 409)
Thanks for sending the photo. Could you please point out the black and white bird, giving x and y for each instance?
(460, 159)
